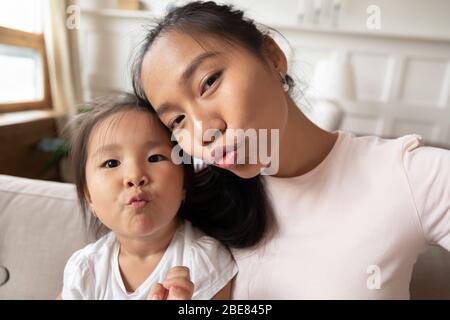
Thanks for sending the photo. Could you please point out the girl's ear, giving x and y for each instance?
(274, 55)
(87, 196)
(89, 201)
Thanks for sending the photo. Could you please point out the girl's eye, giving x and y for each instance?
(176, 122)
(156, 158)
(111, 163)
(210, 82)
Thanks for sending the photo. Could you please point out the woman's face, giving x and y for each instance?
(206, 91)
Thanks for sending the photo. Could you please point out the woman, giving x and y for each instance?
(352, 214)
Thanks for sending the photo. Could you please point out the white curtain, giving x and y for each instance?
(63, 58)
(61, 42)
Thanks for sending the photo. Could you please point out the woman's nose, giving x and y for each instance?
(210, 130)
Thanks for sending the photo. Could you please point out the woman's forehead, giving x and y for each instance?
(172, 52)
(186, 43)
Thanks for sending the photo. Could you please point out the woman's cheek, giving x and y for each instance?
(188, 144)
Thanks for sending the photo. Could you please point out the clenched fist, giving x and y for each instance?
(177, 286)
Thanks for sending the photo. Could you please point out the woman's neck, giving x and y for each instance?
(303, 145)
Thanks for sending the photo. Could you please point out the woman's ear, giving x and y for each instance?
(274, 55)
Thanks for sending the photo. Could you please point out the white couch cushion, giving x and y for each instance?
(40, 227)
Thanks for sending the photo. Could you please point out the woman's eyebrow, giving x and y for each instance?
(162, 109)
(187, 74)
(193, 66)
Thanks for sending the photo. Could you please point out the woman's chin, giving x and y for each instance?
(246, 171)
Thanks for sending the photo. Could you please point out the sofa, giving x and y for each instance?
(41, 226)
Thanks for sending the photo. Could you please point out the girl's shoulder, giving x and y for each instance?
(89, 255)
(84, 266)
(197, 242)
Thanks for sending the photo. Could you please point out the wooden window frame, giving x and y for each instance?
(35, 41)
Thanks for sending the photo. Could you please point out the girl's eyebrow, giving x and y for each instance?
(113, 147)
(106, 148)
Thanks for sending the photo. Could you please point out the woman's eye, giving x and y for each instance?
(176, 122)
(210, 82)
(156, 158)
(111, 163)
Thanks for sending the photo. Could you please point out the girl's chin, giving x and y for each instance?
(143, 226)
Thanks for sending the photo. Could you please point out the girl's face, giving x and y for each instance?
(132, 185)
(215, 85)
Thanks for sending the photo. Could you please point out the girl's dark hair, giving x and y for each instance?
(225, 206)
(80, 130)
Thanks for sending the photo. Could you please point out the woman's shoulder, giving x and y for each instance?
(350, 153)
(379, 144)
(375, 149)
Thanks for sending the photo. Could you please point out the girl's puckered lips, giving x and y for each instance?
(138, 201)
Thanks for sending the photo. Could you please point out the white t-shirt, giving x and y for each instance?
(353, 227)
(93, 272)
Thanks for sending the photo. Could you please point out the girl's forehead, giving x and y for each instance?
(125, 126)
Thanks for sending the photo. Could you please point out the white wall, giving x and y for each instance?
(411, 17)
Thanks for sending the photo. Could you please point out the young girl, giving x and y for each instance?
(352, 213)
(125, 175)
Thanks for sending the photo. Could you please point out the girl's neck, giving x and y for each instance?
(149, 246)
(303, 145)
(138, 258)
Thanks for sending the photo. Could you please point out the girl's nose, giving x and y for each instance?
(136, 182)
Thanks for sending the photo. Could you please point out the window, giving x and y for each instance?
(24, 82)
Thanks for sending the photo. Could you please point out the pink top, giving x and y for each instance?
(353, 227)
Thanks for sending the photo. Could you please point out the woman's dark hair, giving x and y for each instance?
(80, 130)
(208, 18)
(229, 208)
(225, 206)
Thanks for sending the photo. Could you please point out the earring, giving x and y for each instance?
(284, 82)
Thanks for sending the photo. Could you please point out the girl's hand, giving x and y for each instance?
(177, 286)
